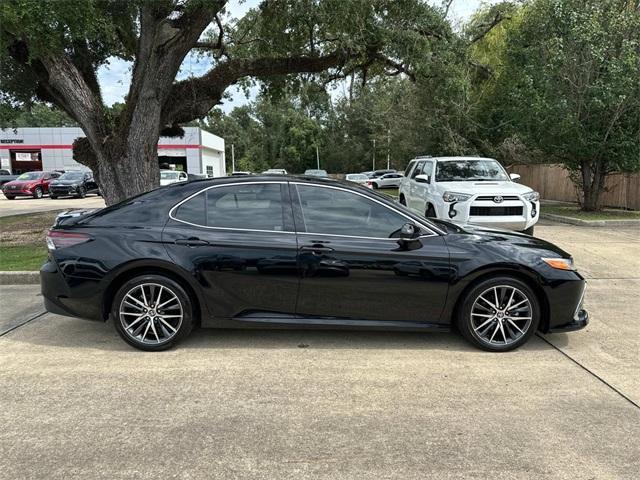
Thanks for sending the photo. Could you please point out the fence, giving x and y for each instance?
(553, 183)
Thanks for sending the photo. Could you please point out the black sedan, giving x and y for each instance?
(301, 252)
(75, 183)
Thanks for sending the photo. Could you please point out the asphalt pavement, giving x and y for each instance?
(21, 205)
(77, 402)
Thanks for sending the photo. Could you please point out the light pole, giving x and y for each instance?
(374, 154)
(318, 157)
(233, 159)
(388, 142)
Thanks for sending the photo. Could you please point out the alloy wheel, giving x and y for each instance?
(501, 315)
(151, 314)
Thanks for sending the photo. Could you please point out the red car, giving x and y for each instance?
(29, 184)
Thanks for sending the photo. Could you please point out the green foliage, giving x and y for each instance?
(38, 115)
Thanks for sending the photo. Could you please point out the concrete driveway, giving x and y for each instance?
(78, 403)
(21, 205)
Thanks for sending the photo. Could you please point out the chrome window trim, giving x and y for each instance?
(172, 217)
(430, 229)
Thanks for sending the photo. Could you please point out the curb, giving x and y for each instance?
(590, 223)
(19, 278)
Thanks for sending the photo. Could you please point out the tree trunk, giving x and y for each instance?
(593, 180)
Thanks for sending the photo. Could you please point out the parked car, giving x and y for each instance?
(388, 180)
(378, 173)
(167, 177)
(6, 176)
(359, 178)
(258, 252)
(316, 173)
(275, 171)
(239, 173)
(29, 184)
(469, 190)
(75, 183)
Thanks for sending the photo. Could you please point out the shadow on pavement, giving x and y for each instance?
(57, 331)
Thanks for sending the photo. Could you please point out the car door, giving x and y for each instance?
(353, 265)
(422, 190)
(238, 241)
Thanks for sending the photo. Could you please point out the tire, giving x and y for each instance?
(375, 186)
(493, 336)
(10, 197)
(154, 287)
(431, 212)
(37, 193)
(528, 231)
(403, 201)
(81, 192)
(52, 197)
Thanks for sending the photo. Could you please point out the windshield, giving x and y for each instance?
(30, 176)
(71, 176)
(469, 170)
(169, 175)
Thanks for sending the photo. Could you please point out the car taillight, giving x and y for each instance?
(58, 239)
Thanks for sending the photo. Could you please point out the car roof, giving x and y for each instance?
(448, 159)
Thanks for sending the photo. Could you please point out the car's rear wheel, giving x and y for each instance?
(499, 314)
(152, 312)
(37, 193)
(375, 186)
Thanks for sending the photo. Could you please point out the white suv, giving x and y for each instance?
(469, 190)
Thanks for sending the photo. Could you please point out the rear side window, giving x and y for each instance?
(245, 206)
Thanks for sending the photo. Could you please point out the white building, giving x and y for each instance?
(27, 149)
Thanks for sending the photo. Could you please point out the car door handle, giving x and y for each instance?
(191, 242)
(316, 248)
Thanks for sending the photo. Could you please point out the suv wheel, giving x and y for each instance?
(152, 312)
(499, 314)
(528, 231)
(403, 201)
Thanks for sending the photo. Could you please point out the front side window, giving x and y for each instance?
(245, 206)
(339, 212)
(417, 170)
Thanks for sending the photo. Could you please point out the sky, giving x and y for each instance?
(115, 76)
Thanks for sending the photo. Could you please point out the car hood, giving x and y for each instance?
(20, 182)
(486, 187)
(504, 238)
(66, 182)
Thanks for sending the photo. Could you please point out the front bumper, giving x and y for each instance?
(17, 192)
(479, 211)
(578, 323)
(60, 191)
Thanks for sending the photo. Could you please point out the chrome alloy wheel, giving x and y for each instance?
(501, 315)
(151, 313)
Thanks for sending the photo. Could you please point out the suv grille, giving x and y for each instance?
(495, 211)
(491, 197)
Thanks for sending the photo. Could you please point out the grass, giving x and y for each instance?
(574, 211)
(392, 192)
(22, 244)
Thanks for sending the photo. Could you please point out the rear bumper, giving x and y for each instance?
(84, 301)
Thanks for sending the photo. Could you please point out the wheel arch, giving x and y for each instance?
(524, 275)
(142, 267)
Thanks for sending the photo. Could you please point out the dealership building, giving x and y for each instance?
(27, 149)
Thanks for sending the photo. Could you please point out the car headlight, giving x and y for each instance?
(455, 197)
(560, 263)
(531, 196)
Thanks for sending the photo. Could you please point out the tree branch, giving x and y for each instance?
(487, 27)
(193, 98)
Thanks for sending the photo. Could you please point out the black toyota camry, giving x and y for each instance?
(296, 252)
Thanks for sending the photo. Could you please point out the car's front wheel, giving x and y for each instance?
(152, 312)
(81, 192)
(528, 231)
(431, 212)
(37, 193)
(403, 201)
(499, 314)
(9, 197)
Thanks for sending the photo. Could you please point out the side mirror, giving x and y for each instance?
(409, 231)
(515, 176)
(423, 178)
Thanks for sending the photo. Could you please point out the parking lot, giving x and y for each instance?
(21, 205)
(77, 402)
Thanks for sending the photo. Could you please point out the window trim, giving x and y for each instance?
(431, 230)
(177, 205)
